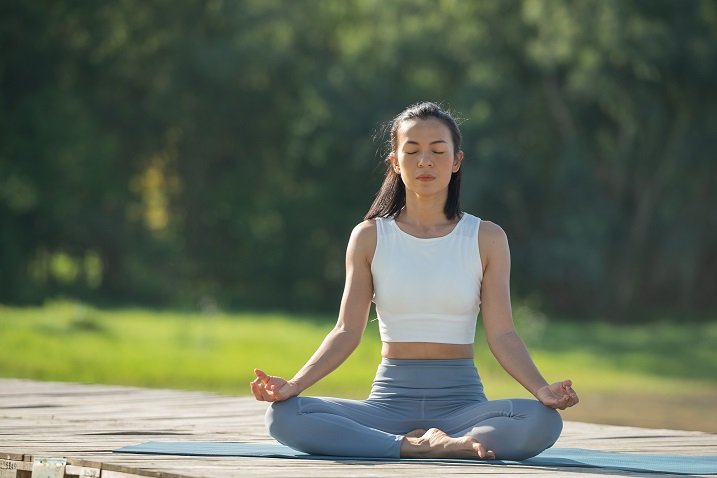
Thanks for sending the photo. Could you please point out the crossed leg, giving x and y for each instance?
(506, 429)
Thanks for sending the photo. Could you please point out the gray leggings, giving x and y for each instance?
(411, 394)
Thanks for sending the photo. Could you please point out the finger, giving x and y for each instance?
(268, 396)
(258, 384)
(559, 403)
(261, 375)
(255, 391)
(572, 395)
(490, 455)
(263, 392)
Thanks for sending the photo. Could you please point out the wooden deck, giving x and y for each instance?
(84, 423)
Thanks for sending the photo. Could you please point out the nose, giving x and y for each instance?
(425, 160)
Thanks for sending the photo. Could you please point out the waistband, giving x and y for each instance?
(435, 379)
(429, 362)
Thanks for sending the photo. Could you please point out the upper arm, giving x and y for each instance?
(495, 287)
(358, 289)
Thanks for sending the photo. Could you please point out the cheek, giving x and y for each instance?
(449, 164)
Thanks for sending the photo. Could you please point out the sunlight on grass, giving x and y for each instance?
(72, 342)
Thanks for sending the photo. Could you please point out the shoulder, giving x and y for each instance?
(492, 240)
(365, 231)
(363, 238)
(491, 232)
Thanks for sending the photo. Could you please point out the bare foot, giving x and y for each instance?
(434, 443)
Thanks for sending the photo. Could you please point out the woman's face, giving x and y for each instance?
(424, 156)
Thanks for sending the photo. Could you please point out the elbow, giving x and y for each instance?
(498, 340)
(349, 336)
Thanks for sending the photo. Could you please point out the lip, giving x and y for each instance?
(425, 177)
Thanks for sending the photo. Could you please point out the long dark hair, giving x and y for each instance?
(391, 198)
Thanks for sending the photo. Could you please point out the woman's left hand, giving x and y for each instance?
(558, 395)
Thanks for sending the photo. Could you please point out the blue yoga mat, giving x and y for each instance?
(553, 457)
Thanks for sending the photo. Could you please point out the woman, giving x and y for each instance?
(428, 267)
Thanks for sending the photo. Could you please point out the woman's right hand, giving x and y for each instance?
(272, 389)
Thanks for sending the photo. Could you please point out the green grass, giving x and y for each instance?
(71, 342)
(660, 375)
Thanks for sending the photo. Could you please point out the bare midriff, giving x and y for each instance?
(426, 350)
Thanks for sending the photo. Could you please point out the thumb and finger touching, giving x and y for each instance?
(270, 388)
(261, 375)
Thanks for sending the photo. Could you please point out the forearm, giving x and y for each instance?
(333, 351)
(511, 352)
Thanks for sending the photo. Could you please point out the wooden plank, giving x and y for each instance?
(84, 423)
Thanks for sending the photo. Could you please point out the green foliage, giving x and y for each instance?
(221, 151)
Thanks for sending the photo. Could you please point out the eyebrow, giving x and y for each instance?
(432, 142)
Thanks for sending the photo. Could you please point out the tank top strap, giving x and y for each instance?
(382, 228)
(470, 242)
(471, 226)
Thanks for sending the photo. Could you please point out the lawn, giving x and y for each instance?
(661, 374)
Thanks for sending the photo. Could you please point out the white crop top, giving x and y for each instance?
(427, 290)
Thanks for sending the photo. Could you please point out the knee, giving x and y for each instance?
(551, 423)
(543, 428)
(547, 424)
(279, 419)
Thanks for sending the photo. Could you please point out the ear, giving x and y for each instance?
(457, 161)
(394, 162)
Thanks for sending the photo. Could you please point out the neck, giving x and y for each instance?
(424, 210)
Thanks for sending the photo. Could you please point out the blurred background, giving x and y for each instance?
(212, 157)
